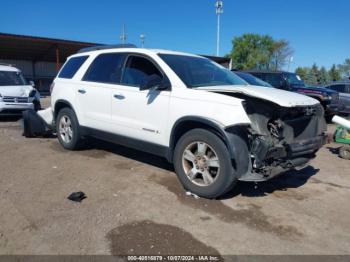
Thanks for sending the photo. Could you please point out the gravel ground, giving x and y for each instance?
(135, 205)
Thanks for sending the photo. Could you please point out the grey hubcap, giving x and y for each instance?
(65, 129)
(201, 164)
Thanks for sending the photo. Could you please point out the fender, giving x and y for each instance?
(61, 101)
(56, 113)
(234, 137)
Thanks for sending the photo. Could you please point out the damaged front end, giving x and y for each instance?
(281, 138)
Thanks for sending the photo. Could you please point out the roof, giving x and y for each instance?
(266, 71)
(340, 82)
(8, 68)
(21, 47)
(111, 49)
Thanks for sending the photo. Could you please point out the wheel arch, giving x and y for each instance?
(185, 124)
(60, 104)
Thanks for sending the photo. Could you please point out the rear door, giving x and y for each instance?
(95, 91)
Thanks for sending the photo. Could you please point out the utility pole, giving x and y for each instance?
(142, 37)
(123, 36)
(219, 10)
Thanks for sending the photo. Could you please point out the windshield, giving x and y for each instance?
(252, 80)
(10, 78)
(294, 79)
(199, 71)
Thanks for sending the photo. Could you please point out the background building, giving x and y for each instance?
(40, 58)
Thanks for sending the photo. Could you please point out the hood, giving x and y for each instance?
(18, 91)
(315, 90)
(277, 96)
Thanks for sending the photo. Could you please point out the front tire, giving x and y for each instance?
(67, 127)
(203, 164)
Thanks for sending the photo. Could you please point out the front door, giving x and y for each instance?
(140, 114)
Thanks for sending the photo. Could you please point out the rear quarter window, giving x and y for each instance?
(106, 68)
(72, 66)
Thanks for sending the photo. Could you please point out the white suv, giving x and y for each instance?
(210, 123)
(16, 95)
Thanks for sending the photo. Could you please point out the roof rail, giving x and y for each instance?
(103, 47)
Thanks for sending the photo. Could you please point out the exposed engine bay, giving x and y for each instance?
(281, 138)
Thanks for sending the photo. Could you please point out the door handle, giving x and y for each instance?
(119, 96)
(81, 91)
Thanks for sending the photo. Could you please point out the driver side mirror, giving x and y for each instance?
(154, 82)
(32, 83)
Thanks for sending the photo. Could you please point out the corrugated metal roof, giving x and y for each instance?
(21, 47)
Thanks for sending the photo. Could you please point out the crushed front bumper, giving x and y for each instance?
(306, 147)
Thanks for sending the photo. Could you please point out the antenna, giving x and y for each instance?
(123, 36)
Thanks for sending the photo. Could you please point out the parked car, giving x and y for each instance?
(16, 95)
(292, 82)
(343, 88)
(252, 80)
(214, 127)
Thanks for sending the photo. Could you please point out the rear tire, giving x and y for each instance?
(203, 164)
(67, 127)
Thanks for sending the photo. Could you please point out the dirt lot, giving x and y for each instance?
(135, 205)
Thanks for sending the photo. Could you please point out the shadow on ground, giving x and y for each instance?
(10, 118)
(129, 153)
(288, 180)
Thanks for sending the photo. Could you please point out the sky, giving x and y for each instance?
(318, 30)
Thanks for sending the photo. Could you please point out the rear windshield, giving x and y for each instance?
(72, 66)
(294, 79)
(9, 78)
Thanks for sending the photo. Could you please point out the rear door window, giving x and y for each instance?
(72, 66)
(106, 68)
(137, 69)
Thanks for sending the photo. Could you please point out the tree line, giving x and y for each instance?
(320, 75)
(255, 51)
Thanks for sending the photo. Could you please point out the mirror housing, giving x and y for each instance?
(32, 83)
(155, 82)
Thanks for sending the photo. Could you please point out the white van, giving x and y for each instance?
(16, 94)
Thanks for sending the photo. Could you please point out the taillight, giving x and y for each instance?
(51, 87)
